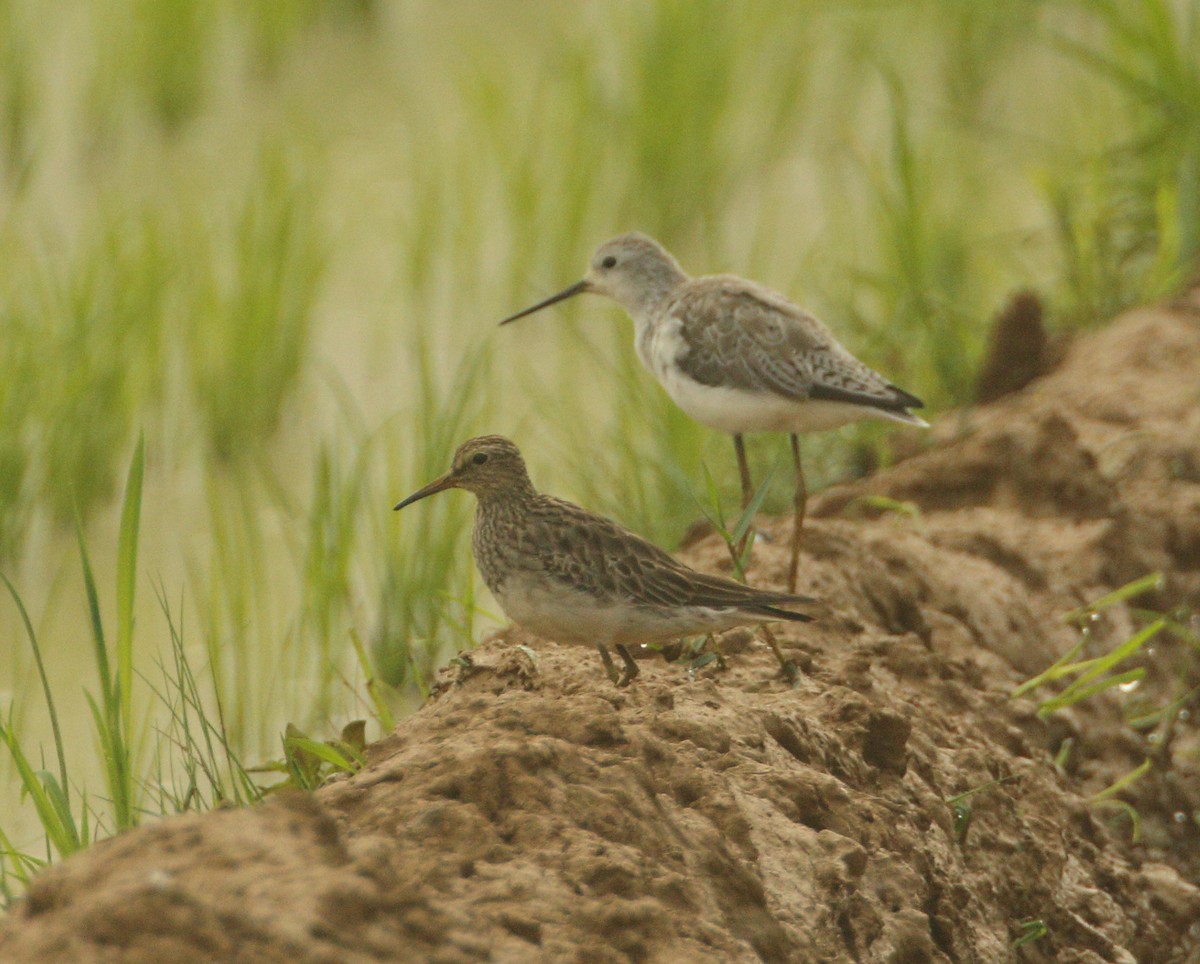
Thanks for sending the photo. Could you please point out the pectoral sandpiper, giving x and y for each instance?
(571, 576)
(737, 356)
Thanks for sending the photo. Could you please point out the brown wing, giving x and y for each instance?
(742, 335)
(585, 550)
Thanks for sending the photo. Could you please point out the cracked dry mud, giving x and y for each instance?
(532, 812)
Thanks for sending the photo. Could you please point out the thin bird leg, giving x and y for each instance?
(739, 446)
(743, 467)
(800, 503)
(790, 670)
(609, 668)
(631, 666)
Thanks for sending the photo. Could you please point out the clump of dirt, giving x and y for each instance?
(1018, 351)
(532, 811)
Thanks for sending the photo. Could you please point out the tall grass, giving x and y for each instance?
(193, 738)
(1128, 222)
(257, 283)
(279, 235)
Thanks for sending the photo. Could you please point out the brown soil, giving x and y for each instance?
(533, 812)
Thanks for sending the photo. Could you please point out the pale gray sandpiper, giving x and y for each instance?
(737, 356)
(571, 576)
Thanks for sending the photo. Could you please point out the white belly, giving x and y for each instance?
(737, 410)
(559, 614)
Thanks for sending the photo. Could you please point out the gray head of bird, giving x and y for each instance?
(487, 465)
(634, 270)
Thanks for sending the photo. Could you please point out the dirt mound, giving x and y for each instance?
(531, 811)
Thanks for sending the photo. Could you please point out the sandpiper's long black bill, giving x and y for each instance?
(437, 485)
(578, 288)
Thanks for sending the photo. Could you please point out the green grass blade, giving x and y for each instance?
(1157, 716)
(93, 600)
(20, 864)
(1127, 780)
(61, 834)
(116, 764)
(126, 579)
(1078, 692)
(323, 751)
(746, 519)
(1061, 667)
(41, 668)
(1128, 648)
(383, 712)
(982, 788)
(1145, 584)
(712, 508)
(1129, 810)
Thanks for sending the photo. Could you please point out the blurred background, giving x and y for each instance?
(275, 236)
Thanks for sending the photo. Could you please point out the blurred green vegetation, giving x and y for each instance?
(275, 237)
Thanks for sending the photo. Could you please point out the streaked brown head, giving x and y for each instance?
(485, 465)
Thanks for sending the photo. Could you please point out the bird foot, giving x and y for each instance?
(631, 666)
(624, 676)
(788, 667)
(609, 668)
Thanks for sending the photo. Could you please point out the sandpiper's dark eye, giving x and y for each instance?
(479, 458)
(609, 262)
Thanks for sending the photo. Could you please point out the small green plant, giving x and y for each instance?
(1031, 930)
(1106, 798)
(884, 504)
(195, 764)
(308, 763)
(737, 540)
(1085, 614)
(1092, 676)
(962, 810)
(1089, 677)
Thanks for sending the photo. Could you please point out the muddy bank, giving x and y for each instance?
(533, 812)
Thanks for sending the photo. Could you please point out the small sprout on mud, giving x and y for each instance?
(1063, 757)
(1090, 674)
(1031, 930)
(309, 763)
(962, 821)
(1106, 798)
(463, 661)
(962, 811)
(1084, 614)
(883, 504)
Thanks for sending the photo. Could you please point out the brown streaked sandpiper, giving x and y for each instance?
(737, 356)
(572, 576)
